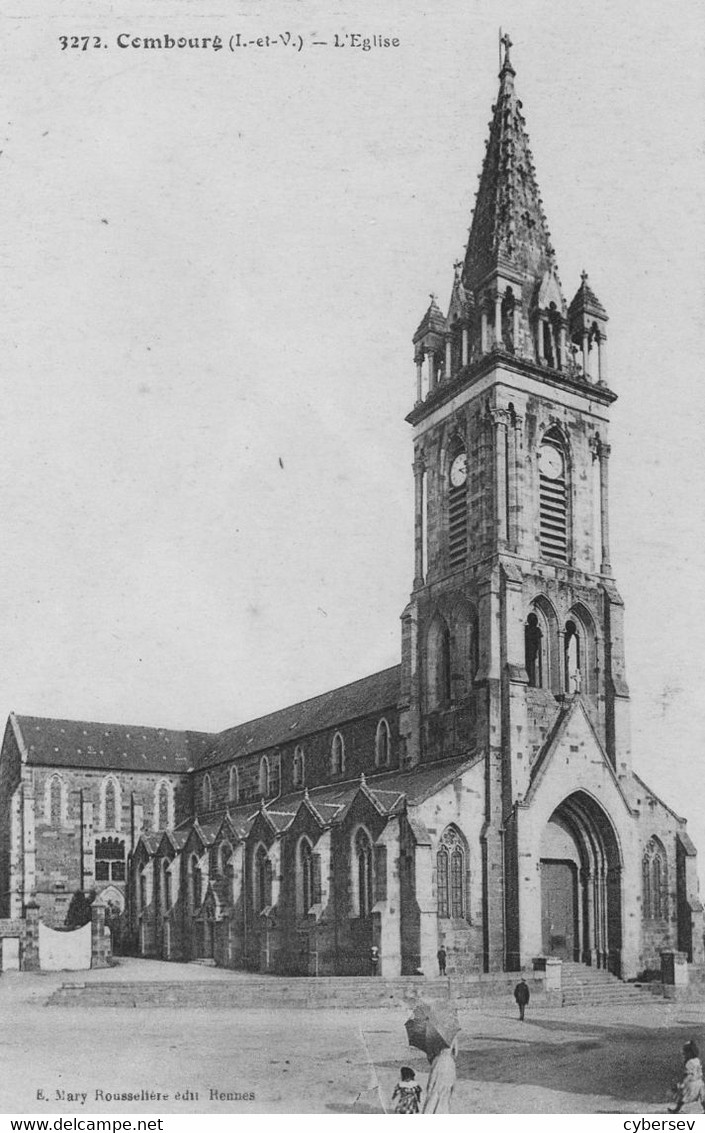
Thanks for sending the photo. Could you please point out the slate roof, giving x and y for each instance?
(370, 694)
(390, 791)
(118, 747)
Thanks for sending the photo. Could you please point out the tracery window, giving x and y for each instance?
(452, 875)
(110, 859)
(363, 861)
(382, 744)
(654, 873)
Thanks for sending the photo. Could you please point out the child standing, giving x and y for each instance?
(407, 1092)
(690, 1088)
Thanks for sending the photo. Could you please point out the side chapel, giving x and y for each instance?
(481, 793)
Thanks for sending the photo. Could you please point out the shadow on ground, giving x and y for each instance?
(620, 1062)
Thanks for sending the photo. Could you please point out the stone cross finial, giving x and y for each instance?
(584, 276)
(506, 43)
(433, 297)
(362, 779)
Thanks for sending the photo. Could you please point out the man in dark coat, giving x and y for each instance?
(522, 996)
(441, 961)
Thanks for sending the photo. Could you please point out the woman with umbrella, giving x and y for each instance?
(435, 1031)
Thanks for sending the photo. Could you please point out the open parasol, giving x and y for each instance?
(431, 1028)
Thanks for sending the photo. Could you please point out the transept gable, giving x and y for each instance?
(574, 755)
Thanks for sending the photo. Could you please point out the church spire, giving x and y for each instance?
(509, 227)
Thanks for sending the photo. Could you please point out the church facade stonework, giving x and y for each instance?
(481, 794)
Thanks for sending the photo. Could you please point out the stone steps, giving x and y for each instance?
(584, 986)
(270, 992)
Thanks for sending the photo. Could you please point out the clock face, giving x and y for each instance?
(550, 462)
(459, 470)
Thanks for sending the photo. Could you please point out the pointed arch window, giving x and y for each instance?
(383, 744)
(299, 768)
(55, 801)
(306, 874)
(553, 498)
(364, 875)
(194, 882)
(111, 804)
(262, 880)
(337, 755)
(234, 785)
(534, 650)
(166, 885)
(264, 777)
(573, 651)
(207, 792)
(164, 806)
(225, 857)
(438, 664)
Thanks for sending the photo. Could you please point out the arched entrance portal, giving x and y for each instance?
(581, 871)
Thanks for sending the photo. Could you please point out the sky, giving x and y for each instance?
(212, 265)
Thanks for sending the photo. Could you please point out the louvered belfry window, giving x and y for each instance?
(458, 509)
(553, 503)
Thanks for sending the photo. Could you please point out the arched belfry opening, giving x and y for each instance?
(581, 870)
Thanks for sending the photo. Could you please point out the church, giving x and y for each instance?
(480, 795)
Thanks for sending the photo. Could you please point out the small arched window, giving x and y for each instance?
(337, 755)
(264, 784)
(207, 792)
(166, 886)
(382, 744)
(234, 785)
(55, 807)
(364, 879)
(262, 891)
(299, 769)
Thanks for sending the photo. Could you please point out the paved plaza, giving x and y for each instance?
(590, 1060)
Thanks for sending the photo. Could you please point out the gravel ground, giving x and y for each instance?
(325, 1061)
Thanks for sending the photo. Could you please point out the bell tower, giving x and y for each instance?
(513, 613)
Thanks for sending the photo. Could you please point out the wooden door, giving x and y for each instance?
(559, 908)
